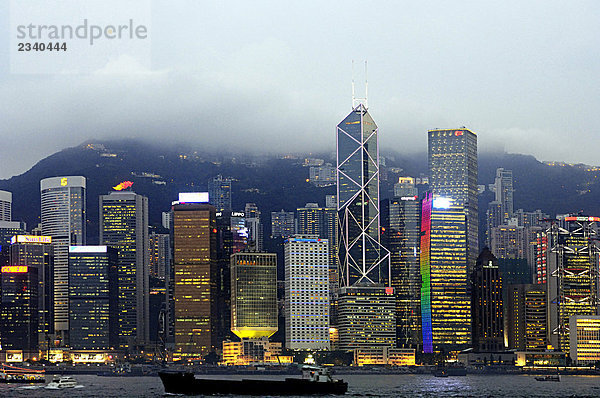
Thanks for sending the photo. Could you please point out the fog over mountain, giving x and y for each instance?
(268, 76)
(274, 182)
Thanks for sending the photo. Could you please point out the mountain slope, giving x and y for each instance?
(272, 183)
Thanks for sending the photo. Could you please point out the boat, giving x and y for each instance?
(445, 371)
(58, 383)
(440, 373)
(548, 378)
(13, 374)
(315, 381)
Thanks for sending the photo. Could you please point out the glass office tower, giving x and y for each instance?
(364, 263)
(63, 218)
(124, 226)
(445, 304)
(453, 174)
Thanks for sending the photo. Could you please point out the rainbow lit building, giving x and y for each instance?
(445, 305)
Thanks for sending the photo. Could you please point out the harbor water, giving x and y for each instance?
(361, 385)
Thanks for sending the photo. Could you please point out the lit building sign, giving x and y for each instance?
(408, 198)
(442, 203)
(123, 185)
(14, 269)
(87, 249)
(237, 214)
(64, 181)
(389, 290)
(582, 218)
(14, 356)
(30, 239)
(193, 197)
(458, 133)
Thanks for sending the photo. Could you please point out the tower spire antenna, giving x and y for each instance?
(356, 101)
(366, 87)
(353, 96)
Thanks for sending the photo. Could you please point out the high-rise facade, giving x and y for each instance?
(5, 206)
(367, 317)
(362, 258)
(400, 220)
(93, 297)
(364, 264)
(124, 226)
(509, 241)
(254, 226)
(445, 303)
(63, 218)
(405, 187)
(219, 192)
(503, 189)
(19, 308)
(453, 174)
(283, 224)
(526, 317)
(306, 293)
(572, 256)
(487, 311)
(253, 294)
(195, 269)
(36, 252)
(159, 254)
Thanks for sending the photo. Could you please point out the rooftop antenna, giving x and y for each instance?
(356, 101)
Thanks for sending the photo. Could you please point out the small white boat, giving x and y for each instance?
(548, 378)
(58, 383)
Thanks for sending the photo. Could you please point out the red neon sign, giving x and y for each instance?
(14, 269)
(458, 132)
(389, 290)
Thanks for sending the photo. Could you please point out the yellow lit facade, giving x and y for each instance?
(384, 356)
(585, 339)
(367, 317)
(124, 226)
(254, 294)
(526, 317)
(253, 351)
(445, 305)
(194, 243)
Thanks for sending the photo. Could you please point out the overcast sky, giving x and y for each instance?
(523, 75)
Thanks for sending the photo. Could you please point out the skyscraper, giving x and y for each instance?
(124, 226)
(219, 192)
(486, 304)
(400, 220)
(255, 227)
(195, 268)
(5, 206)
(306, 293)
(364, 263)
(36, 252)
(63, 218)
(453, 174)
(526, 319)
(323, 222)
(283, 224)
(160, 254)
(19, 310)
(405, 187)
(503, 188)
(93, 297)
(572, 255)
(253, 294)
(445, 304)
